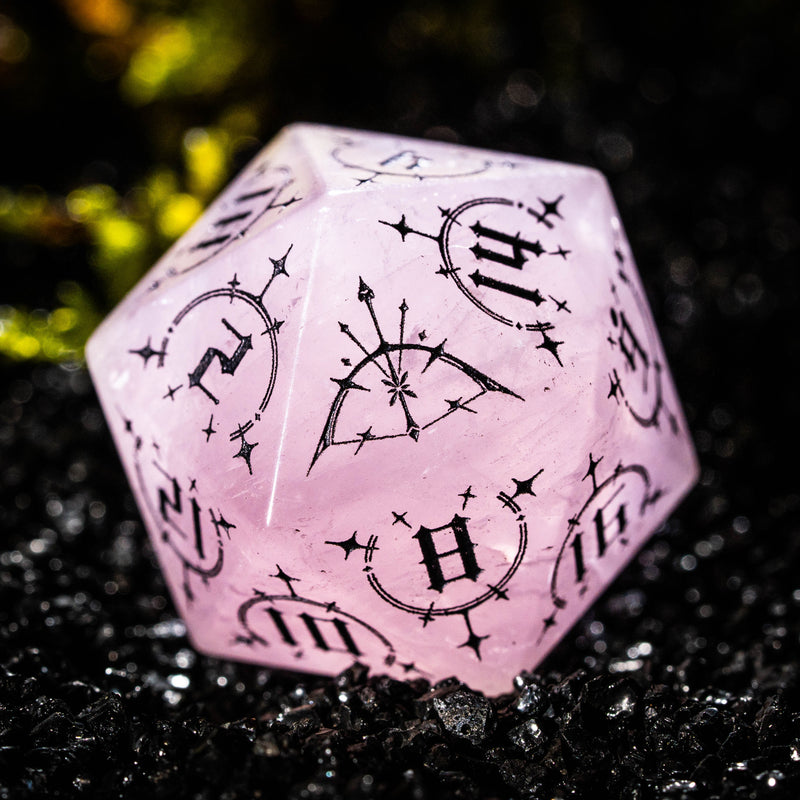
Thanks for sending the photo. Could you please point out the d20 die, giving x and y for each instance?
(396, 401)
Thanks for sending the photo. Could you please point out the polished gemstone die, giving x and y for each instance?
(394, 401)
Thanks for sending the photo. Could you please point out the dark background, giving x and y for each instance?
(683, 680)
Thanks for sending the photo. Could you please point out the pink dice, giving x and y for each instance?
(394, 401)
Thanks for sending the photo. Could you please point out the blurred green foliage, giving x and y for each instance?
(128, 116)
(155, 51)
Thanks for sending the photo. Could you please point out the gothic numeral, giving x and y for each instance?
(175, 503)
(464, 549)
(228, 364)
(313, 625)
(516, 260)
(629, 343)
(601, 540)
(479, 279)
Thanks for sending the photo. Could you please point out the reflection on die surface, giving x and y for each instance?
(396, 401)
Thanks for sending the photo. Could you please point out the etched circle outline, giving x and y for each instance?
(244, 610)
(335, 155)
(453, 271)
(241, 232)
(204, 573)
(269, 328)
(639, 470)
(653, 342)
(385, 595)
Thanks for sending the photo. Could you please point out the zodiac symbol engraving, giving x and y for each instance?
(400, 372)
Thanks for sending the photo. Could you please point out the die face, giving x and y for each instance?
(277, 183)
(418, 421)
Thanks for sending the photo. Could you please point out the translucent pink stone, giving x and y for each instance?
(395, 401)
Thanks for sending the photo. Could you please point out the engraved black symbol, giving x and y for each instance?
(636, 380)
(612, 511)
(450, 559)
(464, 549)
(209, 429)
(192, 532)
(351, 544)
(467, 495)
(409, 377)
(147, 352)
(263, 191)
(370, 162)
(507, 270)
(205, 355)
(228, 365)
(171, 391)
(287, 579)
(296, 622)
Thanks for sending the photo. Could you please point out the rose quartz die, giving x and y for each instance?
(394, 401)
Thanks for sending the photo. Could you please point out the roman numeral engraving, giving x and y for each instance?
(601, 540)
(341, 640)
(464, 549)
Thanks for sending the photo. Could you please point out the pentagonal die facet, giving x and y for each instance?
(395, 401)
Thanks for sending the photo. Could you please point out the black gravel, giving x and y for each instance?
(682, 682)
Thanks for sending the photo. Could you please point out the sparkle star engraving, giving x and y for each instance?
(591, 472)
(499, 592)
(427, 616)
(525, 487)
(467, 495)
(246, 448)
(221, 522)
(287, 579)
(401, 227)
(364, 436)
(456, 404)
(551, 346)
(615, 389)
(549, 208)
(171, 392)
(244, 452)
(561, 305)
(349, 545)
(234, 283)
(209, 430)
(473, 640)
(147, 352)
(401, 518)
